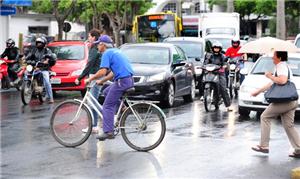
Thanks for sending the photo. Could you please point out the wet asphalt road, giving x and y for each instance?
(197, 145)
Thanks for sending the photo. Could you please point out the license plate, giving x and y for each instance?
(55, 80)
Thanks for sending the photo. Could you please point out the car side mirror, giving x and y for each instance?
(179, 63)
(244, 71)
(197, 59)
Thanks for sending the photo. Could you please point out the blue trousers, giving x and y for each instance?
(47, 84)
(112, 94)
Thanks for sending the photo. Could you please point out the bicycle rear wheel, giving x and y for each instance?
(67, 130)
(146, 135)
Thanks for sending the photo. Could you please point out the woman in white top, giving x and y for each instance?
(285, 110)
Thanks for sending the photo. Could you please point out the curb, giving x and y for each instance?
(295, 174)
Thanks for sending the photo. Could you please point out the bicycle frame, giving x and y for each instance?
(89, 100)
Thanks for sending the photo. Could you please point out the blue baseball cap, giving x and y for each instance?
(105, 39)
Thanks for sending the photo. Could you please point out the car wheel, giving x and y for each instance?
(190, 97)
(244, 112)
(169, 99)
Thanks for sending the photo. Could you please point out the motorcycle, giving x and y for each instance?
(211, 80)
(33, 85)
(235, 64)
(4, 77)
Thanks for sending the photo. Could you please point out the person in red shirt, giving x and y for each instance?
(232, 52)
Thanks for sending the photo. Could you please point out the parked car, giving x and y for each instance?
(161, 72)
(195, 49)
(29, 41)
(72, 57)
(256, 79)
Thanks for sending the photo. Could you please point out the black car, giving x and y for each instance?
(162, 72)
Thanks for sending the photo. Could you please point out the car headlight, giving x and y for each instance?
(157, 77)
(247, 89)
(76, 73)
(29, 68)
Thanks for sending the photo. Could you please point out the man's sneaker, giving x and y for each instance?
(94, 130)
(105, 135)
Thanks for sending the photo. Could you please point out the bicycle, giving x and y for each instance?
(142, 123)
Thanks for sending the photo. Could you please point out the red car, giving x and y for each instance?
(72, 57)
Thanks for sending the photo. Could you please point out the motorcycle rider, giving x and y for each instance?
(43, 54)
(12, 53)
(217, 58)
(232, 52)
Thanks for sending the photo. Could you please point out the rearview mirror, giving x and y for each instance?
(197, 59)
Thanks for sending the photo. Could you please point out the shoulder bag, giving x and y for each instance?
(282, 93)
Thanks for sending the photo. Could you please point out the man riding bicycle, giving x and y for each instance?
(121, 73)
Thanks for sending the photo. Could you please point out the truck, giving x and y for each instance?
(222, 27)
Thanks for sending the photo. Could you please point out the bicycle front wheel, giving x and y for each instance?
(66, 128)
(143, 126)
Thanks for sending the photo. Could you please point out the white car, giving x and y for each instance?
(255, 79)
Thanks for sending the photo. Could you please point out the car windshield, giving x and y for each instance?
(226, 43)
(68, 52)
(266, 64)
(191, 49)
(147, 54)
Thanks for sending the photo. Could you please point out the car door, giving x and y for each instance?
(179, 71)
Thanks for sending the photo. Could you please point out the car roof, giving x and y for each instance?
(150, 44)
(293, 55)
(67, 42)
(191, 39)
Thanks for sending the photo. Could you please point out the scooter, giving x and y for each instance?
(211, 80)
(235, 64)
(4, 77)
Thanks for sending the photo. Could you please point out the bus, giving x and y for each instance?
(156, 27)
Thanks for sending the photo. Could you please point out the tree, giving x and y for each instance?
(60, 9)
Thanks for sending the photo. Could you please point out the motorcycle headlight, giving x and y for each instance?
(76, 73)
(1, 61)
(29, 68)
(198, 70)
(157, 77)
(232, 67)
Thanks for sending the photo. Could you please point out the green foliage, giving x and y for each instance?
(43, 7)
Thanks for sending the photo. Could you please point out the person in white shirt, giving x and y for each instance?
(285, 110)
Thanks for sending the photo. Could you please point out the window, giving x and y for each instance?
(170, 7)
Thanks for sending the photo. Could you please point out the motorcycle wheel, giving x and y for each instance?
(26, 92)
(231, 87)
(210, 103)
(42, 96)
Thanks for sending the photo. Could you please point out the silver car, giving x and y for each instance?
(256, 79)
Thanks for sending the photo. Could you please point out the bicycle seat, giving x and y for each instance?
(129, 91)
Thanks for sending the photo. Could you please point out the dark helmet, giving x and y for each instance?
(235, 42)
(40, 42)
(217, 44)
(10, 43)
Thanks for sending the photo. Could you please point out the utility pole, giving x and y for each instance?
(280, 20)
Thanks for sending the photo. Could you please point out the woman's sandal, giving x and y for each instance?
(295, 155)
(259, 148)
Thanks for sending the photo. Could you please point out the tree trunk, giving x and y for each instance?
(280, 20)
(230, 6)
(60, 28)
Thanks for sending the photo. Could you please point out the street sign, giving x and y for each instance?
(67, 27)
(7, 10)
(17, 2)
